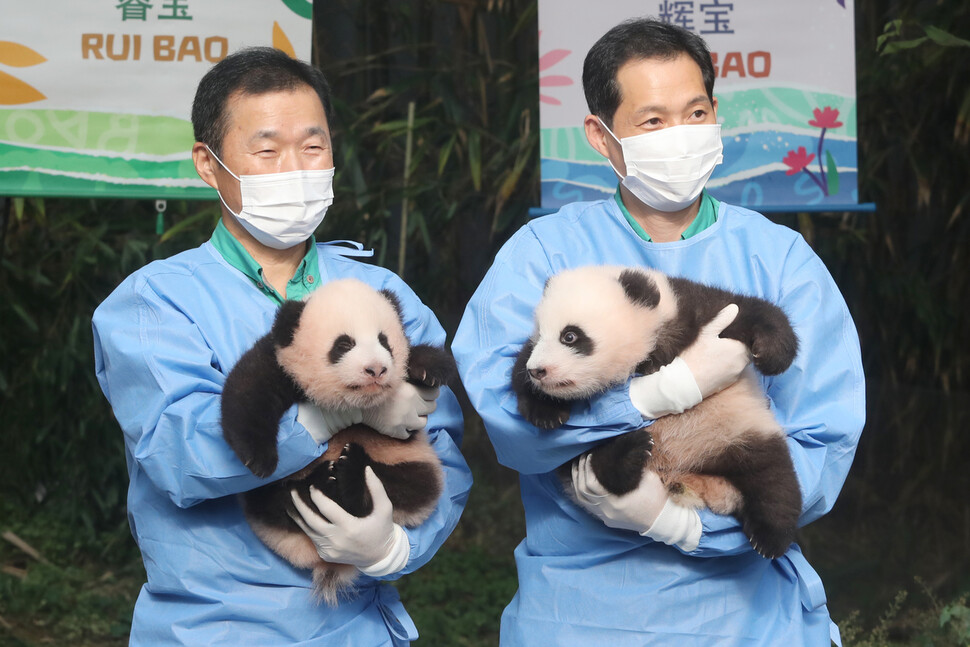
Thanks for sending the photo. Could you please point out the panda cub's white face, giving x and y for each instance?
(351, 356)
(589, 335)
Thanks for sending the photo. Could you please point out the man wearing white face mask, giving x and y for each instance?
(637, 569)
(165, 340)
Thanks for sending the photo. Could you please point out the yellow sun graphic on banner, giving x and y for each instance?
(13, 91)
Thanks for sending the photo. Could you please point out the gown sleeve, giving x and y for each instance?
(164, 383)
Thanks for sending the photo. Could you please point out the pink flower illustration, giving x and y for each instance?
(546, 61)
(828, 182)
(797, 160)
(827, 118)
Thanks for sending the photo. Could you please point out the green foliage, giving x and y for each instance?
(931, 625)
(60, 258)
(470, 70)
(458, 597)
(904, 272)
(79, 589)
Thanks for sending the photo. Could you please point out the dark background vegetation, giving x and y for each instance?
(894, 551)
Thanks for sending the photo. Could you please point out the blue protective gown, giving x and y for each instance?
(583, 583)
(165, 340)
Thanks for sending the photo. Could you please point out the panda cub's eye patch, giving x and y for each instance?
(577, 340)
(382, 340)
(341, 346)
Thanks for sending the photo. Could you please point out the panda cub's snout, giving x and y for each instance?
(367, 360)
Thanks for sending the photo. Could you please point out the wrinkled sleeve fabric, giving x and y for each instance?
(164, 383)
(496, 323)
(819, 400)
(445, 430)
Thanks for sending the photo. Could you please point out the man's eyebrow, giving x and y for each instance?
(264, 134)
(270, 133)
(700, 98)
(316, 130)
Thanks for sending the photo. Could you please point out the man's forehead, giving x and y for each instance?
(252, 110)
(655, 84)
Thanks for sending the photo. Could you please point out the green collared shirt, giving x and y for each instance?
(706, 216)
(304, 281)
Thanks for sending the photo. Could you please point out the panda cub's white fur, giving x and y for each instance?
(594, 297)
(367, 371)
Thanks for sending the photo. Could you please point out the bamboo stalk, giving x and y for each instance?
(402, 239)
(24, 546)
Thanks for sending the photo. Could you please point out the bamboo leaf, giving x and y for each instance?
(945, 38)
(445, 154)
(475, 158)
(25, 317)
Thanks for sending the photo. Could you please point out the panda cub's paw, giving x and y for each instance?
(261, 460)
(431, 366)
(350, 486)
(544, 413)
(619, 462)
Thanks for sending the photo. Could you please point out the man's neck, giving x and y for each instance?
(661, 226)
(279, 265)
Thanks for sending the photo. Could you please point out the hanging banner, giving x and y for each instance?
(785, 84)
(96, 96)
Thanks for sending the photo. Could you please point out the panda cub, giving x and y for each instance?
(344, 347)
(597, 326)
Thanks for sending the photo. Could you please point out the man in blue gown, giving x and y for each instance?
(165, 340)
(638, 570)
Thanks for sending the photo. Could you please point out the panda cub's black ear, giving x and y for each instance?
(286, 322)
(640, 288)
(395, 302)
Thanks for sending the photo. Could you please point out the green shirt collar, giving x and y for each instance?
(706, 216)
(304, 281)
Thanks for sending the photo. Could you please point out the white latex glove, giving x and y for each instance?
(708, 365)
(322, 424)
(406, 411)
(646, 510)
(374, 544)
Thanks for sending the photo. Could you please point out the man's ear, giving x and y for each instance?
(603, 142)
(205, 164)
(596, 135)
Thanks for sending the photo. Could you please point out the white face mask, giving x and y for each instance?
(667, 169)
(281, 210)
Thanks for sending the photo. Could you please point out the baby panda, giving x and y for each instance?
(597, 326)
(344, 347)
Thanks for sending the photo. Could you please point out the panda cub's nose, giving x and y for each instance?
(537, 373)
(375, 370)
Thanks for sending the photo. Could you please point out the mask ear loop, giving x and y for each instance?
(226, 167)
(218, 192)
(617, 140)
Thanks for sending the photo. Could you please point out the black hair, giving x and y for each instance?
(637, 39)
(251, 71)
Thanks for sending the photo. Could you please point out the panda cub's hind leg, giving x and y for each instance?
(704, 490)
(349, 482)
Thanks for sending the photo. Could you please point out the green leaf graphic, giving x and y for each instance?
(831, 174)
(302, 8)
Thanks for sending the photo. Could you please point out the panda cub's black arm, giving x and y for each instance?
(760, 325)
(255, 396)
(535, 406)
(765, 329)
